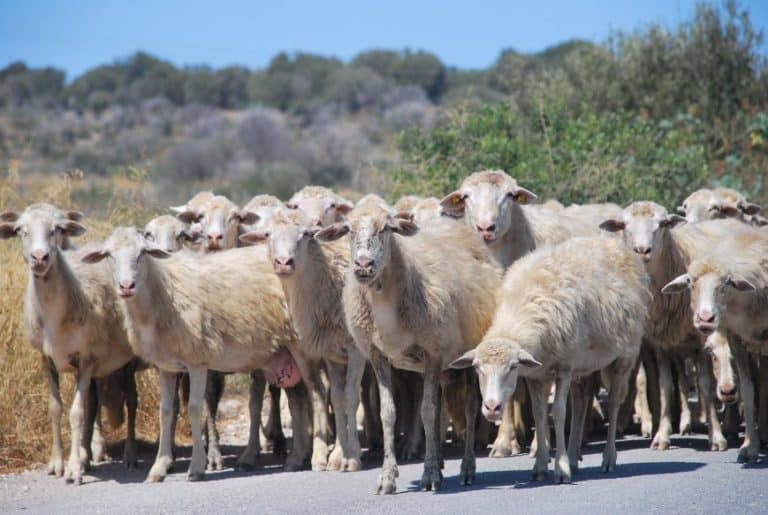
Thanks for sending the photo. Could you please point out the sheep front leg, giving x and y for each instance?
(164, 459)
(78, 455)
(93, 440)
(299, 405)
(562, 464)
(214, 388)
(620, 375)
(580, 392)
(506, 443)
(198, 377)
(336, 376)
(320, 430)
(684, 387)
(704, 375)
(751, 446)
(662, 439)
(56, 463)
(130, 449)
(389, 473)
(354, 378)
(472, 402)
(432, 477)
(762, 397)
(539, 391)
(642, 406)
(274, 427)
(247, 460)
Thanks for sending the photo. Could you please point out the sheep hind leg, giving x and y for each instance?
(132, 403)
(749, 450)
(539, 391)
(78, 456)
(354, 377)
(214, 388)
(247, 460)
(704, 376)
(320, 429)
(301, 419)
(661, 441)
(198, 378)
(472, 402)
(274, 427)
(620, 374)
(432, 477)
(580, 394)
(336, 376)
(684, 388)
(55, 407)
(93, 441)
(562, 464)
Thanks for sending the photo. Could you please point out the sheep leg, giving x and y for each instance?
(336, 376)
(414, 438)
(247, 460)
(662, 439)
(389, 473)
(704, 376)
(371, 420)
(580, 394)
(432, 477)
(762, 397)
(628, 405)
(130, 448)
(751, 446)
(164, 459)
(56, 463)
(214, 388)
(320, 430)
(506, 443)
(354, 377)
(562, 465)
(78, 455)
(539, 391)
(620, 376)
(684, 387)
(198, 378)
(299, 405)
(274, 428)
(471, 405)
(642, 406)
(91, 433)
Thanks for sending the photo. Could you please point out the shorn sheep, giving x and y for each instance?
(308, 269)
(72, 318)
(647, 229)
(729, 294)
(180, 321)
(564, 312)
(415, 299)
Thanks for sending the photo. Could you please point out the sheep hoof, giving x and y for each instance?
(660, 443)
(747, 455)
(215, 462)
(335, 460)
(279, 447)
(386, 485)
(431, 479)
(468, 470)
(195, 476)
(351, 465)
(295, 465)
(245, 465)
(539, 474)
(504, 448)
(56, 467)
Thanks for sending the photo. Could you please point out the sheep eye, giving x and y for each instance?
(149, 236)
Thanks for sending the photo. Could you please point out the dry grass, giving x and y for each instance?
(25, 433)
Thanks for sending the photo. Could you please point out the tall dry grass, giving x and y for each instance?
(25, 432)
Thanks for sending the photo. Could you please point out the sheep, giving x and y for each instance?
(422, 211)
(180, 321)
(729, 294)
(415, 299)
(71, 317)
(711, 204)
(564, 312)
(219, 220)
(406, 203)
(169, 233)
(263, 206)
(647, 229)
(491, 203)
(321, 205)
(195, 203)
(308, 269)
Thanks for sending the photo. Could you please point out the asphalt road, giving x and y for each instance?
(687, 478)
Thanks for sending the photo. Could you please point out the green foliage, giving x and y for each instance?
(593, 158)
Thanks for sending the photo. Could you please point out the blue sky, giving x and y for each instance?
(79, 34)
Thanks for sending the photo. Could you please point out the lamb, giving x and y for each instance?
(169, 233)
(729, 295)
(308, 269)
(415, 299)
(647, 229)
(180, 321)
(491, 203)
(564, 312)
(321, 205)
(711, 204)
(71, 317)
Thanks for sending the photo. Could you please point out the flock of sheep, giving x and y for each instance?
(407, 308)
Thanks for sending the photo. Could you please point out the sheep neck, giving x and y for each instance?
(59, 292)
(152, 304)
(516, 242)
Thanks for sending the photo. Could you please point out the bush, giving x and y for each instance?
(264, 135)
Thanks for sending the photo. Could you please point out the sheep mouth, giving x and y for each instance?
(364, 276)
(39, 270)
(284, 270)
(728, 399)
(126, 293)
(492, 417)
(705, 329)
(488, 237)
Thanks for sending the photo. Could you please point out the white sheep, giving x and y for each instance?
(181, 321)
(564, 312)
(415, 299)
(712, 204)
(321, 205)
(71, 317)
(169, 233)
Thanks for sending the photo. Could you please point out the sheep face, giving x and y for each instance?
(497, 363)
(486, 201)
(219, 220)
(287, 235)
(264, 207)
(322, 206)
(370, 227)
(643, 225)
(42, 229)
(127, 249)
(719, 351)
(426, 210)
(712, 288)
(169, 233)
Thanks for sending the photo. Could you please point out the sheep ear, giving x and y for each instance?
(75, 215)
(740, 284)
(680, 210)
(344, 206)
(254, 237)
(612, 225)
(157, 252)
(748, 208)
(178, 209)
(332, 232)
(404, 215)
(71, 228)
(9, 216)
(453, 204)
(189, 217)
(729, 210)
(246, 217)
(94, 256)
(7, 231)
(403, 227)
(465, 361)
(677, 285)
(522, 195)
(526, 359)
(672, 221)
